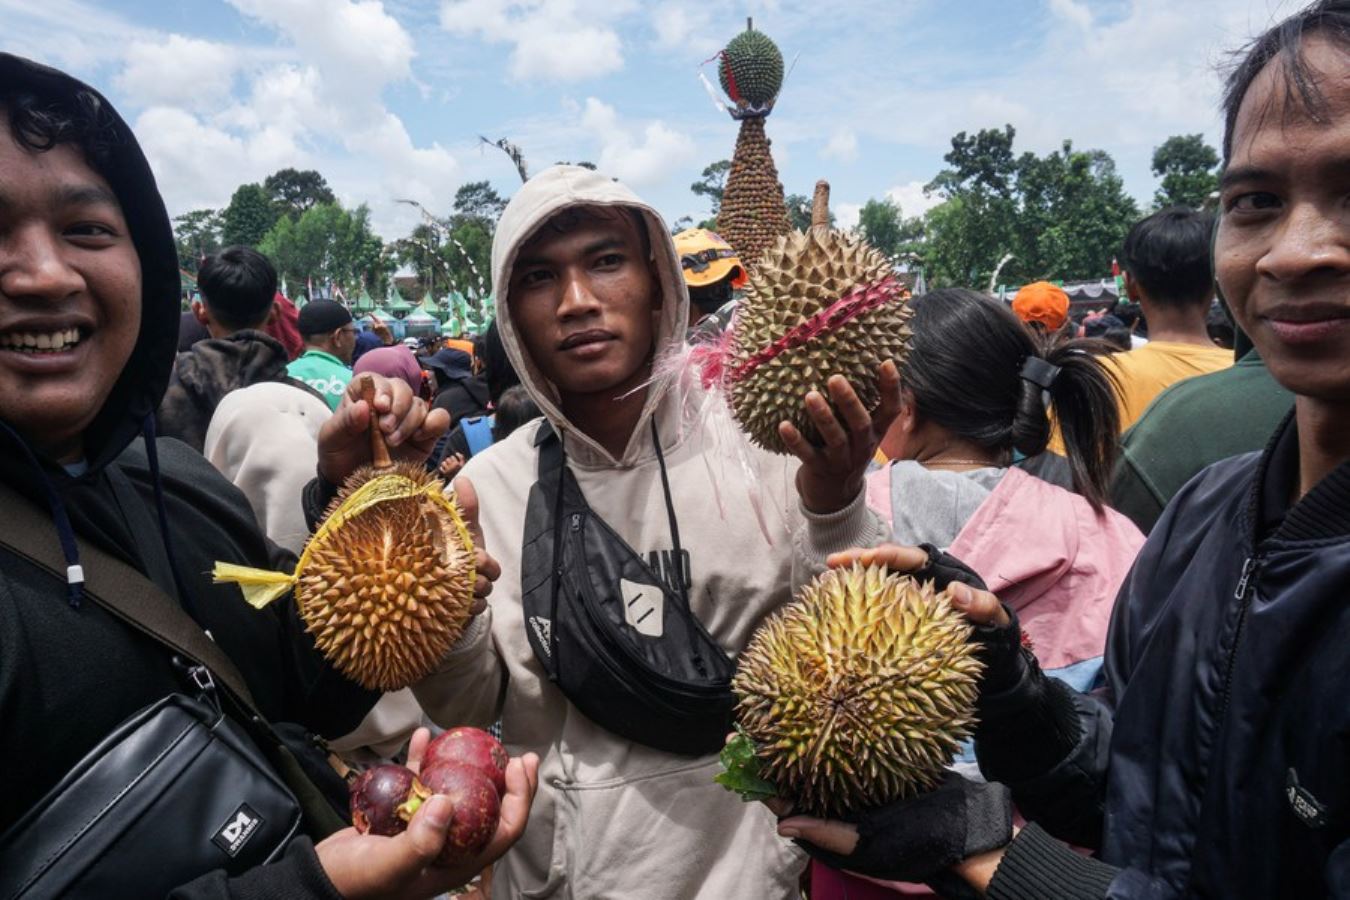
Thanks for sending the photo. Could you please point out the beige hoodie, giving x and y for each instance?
(614, 819)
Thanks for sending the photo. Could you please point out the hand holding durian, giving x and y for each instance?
(853, 700)
(387, 583)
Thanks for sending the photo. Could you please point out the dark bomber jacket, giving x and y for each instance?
(1216, 761)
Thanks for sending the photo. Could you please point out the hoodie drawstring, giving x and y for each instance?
(69, 548)
(152, 457)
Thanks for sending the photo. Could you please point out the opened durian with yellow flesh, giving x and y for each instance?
(385, 584)
(855, 695)
(818, 303)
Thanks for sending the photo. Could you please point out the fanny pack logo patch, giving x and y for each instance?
(1306, 807)
(234, 834)
(543, 629)
(643, 607)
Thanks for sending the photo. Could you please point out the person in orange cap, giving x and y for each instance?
(1042, 305)
(712, 270)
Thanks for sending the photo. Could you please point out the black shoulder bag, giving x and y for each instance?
(621, 644)
(178, 790)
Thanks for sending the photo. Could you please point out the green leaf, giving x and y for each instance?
(741, 770)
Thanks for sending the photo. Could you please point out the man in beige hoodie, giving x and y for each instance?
(589, 293)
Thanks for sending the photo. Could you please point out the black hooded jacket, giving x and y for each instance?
(70, 673)
(210, 369)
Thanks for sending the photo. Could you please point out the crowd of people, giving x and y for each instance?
(1142, 508)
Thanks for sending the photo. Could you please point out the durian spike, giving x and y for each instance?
(820, 205)
(379, 453)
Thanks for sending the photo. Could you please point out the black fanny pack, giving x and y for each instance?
(617, 640)
(177, 791)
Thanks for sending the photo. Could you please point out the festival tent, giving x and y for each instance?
(396, 305)
(420, 323)
(364, 304)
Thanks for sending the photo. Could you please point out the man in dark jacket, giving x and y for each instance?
(239, 287)
(1216, 760)
(88, 326)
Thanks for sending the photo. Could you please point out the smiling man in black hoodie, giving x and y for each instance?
(88, 325)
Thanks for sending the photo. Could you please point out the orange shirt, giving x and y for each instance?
(1142, 374)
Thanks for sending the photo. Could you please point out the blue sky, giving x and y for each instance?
(387, 97)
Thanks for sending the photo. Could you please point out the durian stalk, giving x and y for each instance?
(379, 451)
(820, 205)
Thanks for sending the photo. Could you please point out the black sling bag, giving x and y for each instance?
(195, 782)
(611, 634)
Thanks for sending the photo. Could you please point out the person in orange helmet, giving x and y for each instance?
(712, 271)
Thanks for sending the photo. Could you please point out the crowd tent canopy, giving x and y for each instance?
(396, 305)
(420, 323)
(1094, 295)
(365, 304)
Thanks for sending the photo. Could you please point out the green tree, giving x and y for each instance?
(1075, 214)
(248, 217)
(1062, 215)
(799, 211)
(478, 200)
(983, 161)
(970, 232)
(421, 252)
(329, 243)
(467, 252)
(1188, 169)
(293, 191)
(712, 183)
(197, 234)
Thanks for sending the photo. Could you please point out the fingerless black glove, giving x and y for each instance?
(942, 569)
(916, 839)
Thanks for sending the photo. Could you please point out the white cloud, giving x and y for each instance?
(66, 33)
(179, 71)
(199, 165)
(911, 199)
(846, 215)
(354, 43)
(555, 40)
(842, 146)
(687, 30)
(637, 160)
(1072, 11)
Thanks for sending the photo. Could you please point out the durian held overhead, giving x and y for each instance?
(385, 584)
(819, 302)
(856, 694)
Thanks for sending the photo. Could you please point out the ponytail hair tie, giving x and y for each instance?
(1039, 372)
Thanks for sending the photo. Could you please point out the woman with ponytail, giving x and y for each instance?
(978, 391)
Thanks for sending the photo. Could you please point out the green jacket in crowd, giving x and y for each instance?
(1190, 425)
(322, 371)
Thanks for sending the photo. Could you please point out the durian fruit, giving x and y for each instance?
(751, 69)
(791, 333)
(385, 585)
(859, 692)
(752, 212)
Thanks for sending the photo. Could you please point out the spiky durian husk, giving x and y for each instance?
(859, 692)
(801, 274)
(753, 212)
(388, 592)
(755, 64)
